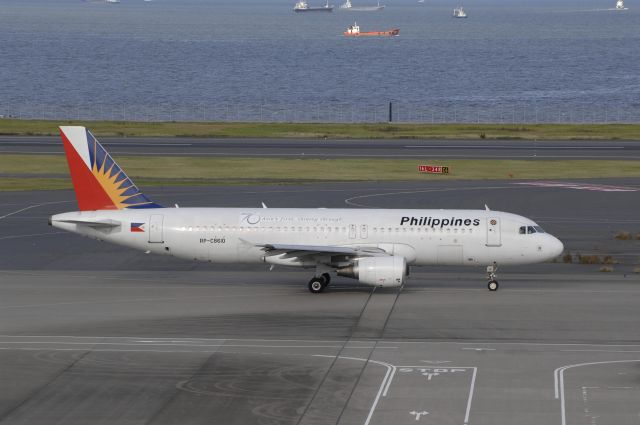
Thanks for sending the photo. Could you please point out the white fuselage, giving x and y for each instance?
(238, 235)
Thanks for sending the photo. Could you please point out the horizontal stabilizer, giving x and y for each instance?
(94, 223)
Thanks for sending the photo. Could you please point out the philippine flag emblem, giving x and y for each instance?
(137, 227)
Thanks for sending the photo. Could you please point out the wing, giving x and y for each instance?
(325, 254)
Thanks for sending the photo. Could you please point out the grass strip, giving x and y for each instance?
(187, 171)
(331, 131)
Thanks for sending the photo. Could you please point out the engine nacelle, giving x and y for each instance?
(377, 271)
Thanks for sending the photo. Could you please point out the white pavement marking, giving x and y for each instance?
(381, 391)
(32, 235)
(558, 381)
(478, 349)
(580, 186)
(471, 390)
(452, 369)
(32, 206)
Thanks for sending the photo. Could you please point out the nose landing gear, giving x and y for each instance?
(491, 276)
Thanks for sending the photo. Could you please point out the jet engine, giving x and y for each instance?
(377, 271)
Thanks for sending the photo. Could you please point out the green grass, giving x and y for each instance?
(28, 172)
(332, 131)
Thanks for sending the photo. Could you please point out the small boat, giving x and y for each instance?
(354, 31)
(302, 6)
(620, 5)
(112, 1)
(348, 6)
(459, 12)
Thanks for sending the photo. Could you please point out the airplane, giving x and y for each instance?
(374, 246)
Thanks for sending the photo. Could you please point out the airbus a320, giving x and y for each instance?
(374, 246)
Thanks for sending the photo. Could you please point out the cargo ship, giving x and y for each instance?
(354, 31)
(302, 6)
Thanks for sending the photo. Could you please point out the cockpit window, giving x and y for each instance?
(527, 230)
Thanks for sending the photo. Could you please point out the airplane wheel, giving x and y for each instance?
(316, 285)
(493, 285)
(327, 278)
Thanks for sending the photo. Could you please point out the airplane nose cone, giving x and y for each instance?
(556, 247)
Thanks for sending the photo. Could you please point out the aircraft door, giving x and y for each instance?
(493, 232)
(363, 232)
(353, 229)
(155, 228)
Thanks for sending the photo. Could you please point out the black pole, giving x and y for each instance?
(390, 111)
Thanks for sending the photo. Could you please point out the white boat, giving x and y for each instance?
(348, 6)
(302, 6)
(620, 5)
(459, 12)
(112, 1)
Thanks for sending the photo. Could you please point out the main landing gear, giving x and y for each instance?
(491, 276)
(318, 283)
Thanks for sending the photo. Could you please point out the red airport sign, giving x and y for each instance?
(433, 169)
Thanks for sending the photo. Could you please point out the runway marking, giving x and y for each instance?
(471, 390)
(33, 206)
(429, 372)
(558, 382)
(32, 235)
(386, 381)
(580, 186)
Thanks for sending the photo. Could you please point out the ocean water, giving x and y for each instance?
(532, 61)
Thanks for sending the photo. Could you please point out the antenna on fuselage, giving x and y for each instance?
(263, 205)
(486, 207)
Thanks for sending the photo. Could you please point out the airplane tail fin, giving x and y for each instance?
(99, 183)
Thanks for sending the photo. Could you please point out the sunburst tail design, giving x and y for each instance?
(98, 180)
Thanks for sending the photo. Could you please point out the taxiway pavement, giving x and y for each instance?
(318, 148)
(92, 333)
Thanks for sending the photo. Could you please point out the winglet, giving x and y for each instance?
(99, 183)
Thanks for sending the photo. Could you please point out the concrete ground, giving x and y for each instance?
(92, 333)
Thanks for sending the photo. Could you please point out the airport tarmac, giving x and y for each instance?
(318, 148)
(93, 333)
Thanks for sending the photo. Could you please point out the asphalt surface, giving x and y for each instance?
(408, 148)
(91, 333)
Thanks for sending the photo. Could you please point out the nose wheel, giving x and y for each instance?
(491, 276)
(318, 283)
